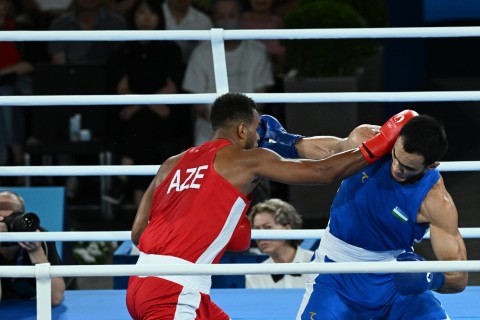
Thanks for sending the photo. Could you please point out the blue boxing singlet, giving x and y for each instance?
(373, 218)
(374, 212)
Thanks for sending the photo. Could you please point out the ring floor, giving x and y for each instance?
(240, 304)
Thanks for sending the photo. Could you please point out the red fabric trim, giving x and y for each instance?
(9, 54)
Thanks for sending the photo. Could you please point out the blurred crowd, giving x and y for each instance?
(142, 134)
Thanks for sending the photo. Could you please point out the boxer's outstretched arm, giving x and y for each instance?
(320, 147)
(273, 136)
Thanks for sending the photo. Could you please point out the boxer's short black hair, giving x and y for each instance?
(232, 108)
(425, 135)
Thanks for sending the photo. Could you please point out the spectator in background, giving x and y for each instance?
(36, 15)
(150, 133)
(25, 253)
(14, 80)
(52, 6)
(122, 7)
(181, 15)
(261, 16)
(86, 15)
(271, 215)
(248, 66)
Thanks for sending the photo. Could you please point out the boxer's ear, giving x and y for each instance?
(242, 131)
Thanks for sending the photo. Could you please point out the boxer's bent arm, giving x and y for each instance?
(143, 211)
(447, 242)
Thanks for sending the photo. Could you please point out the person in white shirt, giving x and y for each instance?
(248, 66)
(278, 214)
(181, 15)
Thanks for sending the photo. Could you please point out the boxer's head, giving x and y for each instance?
(421, 144)
(239, 112)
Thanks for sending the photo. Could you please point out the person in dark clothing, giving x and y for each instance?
(150, 133)
(25, 253)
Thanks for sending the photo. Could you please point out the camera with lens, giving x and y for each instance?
(22, 222)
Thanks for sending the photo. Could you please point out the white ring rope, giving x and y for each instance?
(208, 98)
(147, 170)
(343, 33)
(467, 233)
(111, 170)
(244, 268)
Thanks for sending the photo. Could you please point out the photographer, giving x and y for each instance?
(24, 253)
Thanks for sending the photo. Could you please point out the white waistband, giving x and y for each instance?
(340, 251)
(201, 283)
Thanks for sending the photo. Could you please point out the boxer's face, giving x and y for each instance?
(406, 166)
(253, 136)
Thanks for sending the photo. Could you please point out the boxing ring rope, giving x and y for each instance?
(113, 170)
(44, 272)
(217, 36)
(243, 268)
(208, 98)
(291, 234)
(285, 34)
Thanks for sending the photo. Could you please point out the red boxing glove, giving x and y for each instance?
(241, 237)
(383, 142)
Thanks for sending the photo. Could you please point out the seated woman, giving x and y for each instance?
(277, 214)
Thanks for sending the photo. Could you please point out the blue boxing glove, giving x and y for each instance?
(274, 137)
(416, 283)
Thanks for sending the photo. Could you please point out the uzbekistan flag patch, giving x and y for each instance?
(399, 214)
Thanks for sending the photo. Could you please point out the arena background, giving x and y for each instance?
(441, 64)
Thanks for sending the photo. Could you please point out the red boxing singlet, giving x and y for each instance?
(194, 210)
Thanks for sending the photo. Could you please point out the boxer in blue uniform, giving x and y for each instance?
(377, 215)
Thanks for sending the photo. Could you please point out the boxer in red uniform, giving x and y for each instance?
(195, 207)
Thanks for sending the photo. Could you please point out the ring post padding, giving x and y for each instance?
(219, 61)
(44, 291)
